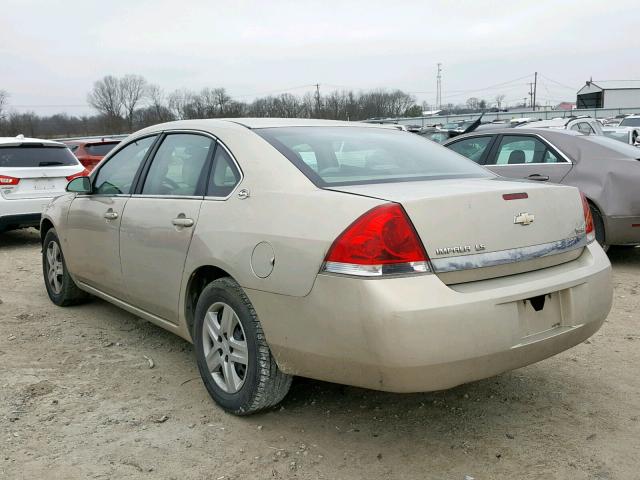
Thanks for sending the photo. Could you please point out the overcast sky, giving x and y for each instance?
(52, 52)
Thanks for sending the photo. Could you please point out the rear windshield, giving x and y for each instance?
(36, 155)
(359, 155)
(100, 149)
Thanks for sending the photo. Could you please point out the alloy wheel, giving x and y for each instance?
(55, 269)
(225, 347)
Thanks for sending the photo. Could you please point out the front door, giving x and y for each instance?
(159, 221)
(526, 156)
(93, 223)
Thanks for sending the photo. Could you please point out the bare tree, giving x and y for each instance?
(4, 97)
(473, 103)
(106, 98)
(132, 93)
(499, 99)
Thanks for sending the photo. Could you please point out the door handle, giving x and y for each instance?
(182, 222)
(538, 177)
(110, 215)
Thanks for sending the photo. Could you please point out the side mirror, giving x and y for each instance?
(79, 185)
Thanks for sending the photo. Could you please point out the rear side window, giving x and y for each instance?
(516, 150)
(224, 176)
(630, 122)
(360, 155)
(35, 155)
(116, 176)
(99, 149)
(472, 148)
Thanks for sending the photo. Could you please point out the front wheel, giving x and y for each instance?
(233, 357)
(61, 288)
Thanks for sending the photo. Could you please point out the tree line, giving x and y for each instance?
(128, 103)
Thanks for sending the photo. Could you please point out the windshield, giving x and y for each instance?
(630, 122)
(36, 155)
(355, 155)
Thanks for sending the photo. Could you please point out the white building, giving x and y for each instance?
(609, 94)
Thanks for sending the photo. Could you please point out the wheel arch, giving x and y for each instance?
(45, 226)
(198, 280)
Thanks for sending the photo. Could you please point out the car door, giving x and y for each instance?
(529, 157)
(159, 220)
(93, 224)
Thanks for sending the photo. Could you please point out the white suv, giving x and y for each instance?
(32, 172)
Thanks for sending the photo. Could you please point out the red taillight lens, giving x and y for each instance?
(83, 173)
(382, 240)
(589, 229)
(8, 181)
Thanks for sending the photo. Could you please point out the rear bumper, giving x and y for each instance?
(621, 230)
(21, 213)
(418, 334)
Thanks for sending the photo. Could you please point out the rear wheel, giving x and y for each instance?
(598, 224)
(233, 357)
(60, 286)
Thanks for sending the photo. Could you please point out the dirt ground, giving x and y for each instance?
(78, 400)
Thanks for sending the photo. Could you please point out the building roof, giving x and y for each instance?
(616, 84)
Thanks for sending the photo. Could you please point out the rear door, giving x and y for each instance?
(159, 221)
(529, 157)
(92, 235)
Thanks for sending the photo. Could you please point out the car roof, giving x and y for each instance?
(19, 140)
(101, 141)
(522, 130)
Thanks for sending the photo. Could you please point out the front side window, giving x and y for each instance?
(116, 176)
(630, 122)
(517, 150)
(585, 128)
(472, 148)
(178, 165)
(359, 155)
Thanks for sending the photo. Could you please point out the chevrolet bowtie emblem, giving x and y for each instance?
(524, 219)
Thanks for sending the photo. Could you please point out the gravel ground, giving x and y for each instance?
(78, 399)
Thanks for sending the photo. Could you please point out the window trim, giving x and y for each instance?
(134, 185)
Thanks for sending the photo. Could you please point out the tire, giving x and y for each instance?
(227, 328)
(61, 288)
(598, 224)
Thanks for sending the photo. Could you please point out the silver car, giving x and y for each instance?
(345, 252)
(605, 170)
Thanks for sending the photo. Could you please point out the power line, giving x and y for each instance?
(558, 83)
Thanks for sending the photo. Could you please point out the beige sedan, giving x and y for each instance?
(344, 252)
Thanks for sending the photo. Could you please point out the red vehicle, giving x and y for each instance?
(91, 150)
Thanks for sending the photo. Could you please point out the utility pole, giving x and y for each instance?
(535, 88)
(439, 88)
(317, 99)
(525, 102)
(530, 94)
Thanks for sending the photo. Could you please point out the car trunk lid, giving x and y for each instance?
(474, 229)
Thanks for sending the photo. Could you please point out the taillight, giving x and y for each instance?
(380, 242)
(6, 181)
(83, 173)
(589, 229)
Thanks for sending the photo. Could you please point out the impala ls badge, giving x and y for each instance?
(524, 219)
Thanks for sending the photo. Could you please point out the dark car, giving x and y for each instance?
(91, 151)
(605, 170)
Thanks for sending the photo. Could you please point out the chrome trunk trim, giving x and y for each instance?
(490, 259)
